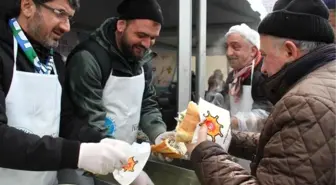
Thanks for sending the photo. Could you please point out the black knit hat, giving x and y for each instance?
(140, 9)
(305, 20)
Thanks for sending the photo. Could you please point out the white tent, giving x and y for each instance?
(221, 15)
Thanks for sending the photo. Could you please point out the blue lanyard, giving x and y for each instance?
(29, 51)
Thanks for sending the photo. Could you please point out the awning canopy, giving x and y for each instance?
(222, 14)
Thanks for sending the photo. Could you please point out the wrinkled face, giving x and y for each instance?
(332, 19)
(137, 36)
(239, 51)
(47, 23)
(277, 53)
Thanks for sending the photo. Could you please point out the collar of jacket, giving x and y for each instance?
(6, 36)
(278, 85)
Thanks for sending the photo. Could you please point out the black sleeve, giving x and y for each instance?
(225, 91)
(71, 126)
(22, 151)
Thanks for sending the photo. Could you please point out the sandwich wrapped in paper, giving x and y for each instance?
(170, 148)
(187, 122)
(218, 122)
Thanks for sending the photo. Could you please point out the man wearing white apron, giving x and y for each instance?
(109, 76)
(242, 92)
(31, 116)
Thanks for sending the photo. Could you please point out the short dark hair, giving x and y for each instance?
(212, 82)
(12, 8)
(74, 4)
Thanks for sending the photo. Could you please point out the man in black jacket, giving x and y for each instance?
(32, 115)
(109, 76)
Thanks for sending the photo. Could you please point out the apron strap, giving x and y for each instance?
(54, 68)
(15, 49)
(252, 70)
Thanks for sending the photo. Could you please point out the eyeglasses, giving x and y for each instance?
(61, 14)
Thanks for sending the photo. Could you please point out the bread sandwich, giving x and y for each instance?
(170, 148)
(187, 123)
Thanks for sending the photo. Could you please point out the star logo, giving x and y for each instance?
(130, 165)
(214, 128)
(110, 126)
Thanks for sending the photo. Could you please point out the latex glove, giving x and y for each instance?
(164, 136)
(159, 139)
(142, 179)
(101, 158)
(119, 144)
(202, 136)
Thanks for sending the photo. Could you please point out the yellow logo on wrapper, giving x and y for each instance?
(130, 165)
(214, 128)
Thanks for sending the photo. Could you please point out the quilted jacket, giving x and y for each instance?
(297, 143)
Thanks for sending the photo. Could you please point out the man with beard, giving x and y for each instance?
(297, 144)
(31, 113)
(242, 93)
(109, 76)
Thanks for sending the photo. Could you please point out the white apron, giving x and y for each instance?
(243, 105)
(122, 98)
(33, 104)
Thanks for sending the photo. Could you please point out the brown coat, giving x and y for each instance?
(297, 144)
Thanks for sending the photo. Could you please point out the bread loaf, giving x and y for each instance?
(188, 121)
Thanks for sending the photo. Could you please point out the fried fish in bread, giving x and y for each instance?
(170, 148)
(188, 121)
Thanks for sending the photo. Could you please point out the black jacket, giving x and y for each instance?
(88, 68)
(24, 151)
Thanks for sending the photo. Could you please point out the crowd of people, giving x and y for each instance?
(59, 119)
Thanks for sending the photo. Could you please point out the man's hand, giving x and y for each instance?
(202, 136)
(104, 157)
(159, 139)
(234, 123)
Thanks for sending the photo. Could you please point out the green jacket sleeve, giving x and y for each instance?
(151, 119)
(85, 90)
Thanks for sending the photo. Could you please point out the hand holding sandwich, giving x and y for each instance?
(202, 136)
(172, 144)
(160, 139)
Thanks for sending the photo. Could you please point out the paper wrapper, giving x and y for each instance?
(218, 122)
(139, 154)
(168, 150)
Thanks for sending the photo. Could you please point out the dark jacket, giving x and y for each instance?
(30, 152)
(297, 144)
(86, 78)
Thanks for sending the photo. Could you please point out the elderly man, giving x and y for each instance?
(242, 94)
(297, 144)
(242, 91)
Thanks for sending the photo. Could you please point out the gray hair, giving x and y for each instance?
(305, 46)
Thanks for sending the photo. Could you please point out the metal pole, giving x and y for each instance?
(201, 48)
(184, 53)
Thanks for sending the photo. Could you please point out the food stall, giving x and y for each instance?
(191, 28)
